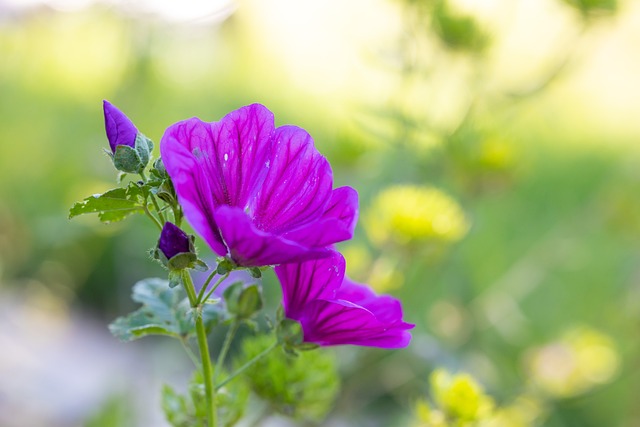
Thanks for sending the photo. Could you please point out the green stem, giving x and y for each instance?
(153, 199)
(203, 345)
(155, 203)
(204, 287)
(213, 288)
(225, 347)
(177, 216)
(153, 218)
(247, 365)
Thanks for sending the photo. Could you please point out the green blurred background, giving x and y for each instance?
(493, 144)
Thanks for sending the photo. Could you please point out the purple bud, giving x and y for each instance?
(173, 241)
(120, 129)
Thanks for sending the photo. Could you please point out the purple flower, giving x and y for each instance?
(333, 310)
(259, 194)
(173, 241)
(120, 129)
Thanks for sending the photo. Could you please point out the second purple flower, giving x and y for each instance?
(256, 193)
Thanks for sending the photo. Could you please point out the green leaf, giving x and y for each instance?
(114, 205)
(164, 311)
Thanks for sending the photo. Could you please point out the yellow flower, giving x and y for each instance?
(460, 396)
(580, 360)
(404, 214)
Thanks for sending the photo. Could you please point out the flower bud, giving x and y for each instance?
(120, 129)
(173, 240)
(130, 150)
(175, 248)
(243, 301)
(290, 334)
(161, 171)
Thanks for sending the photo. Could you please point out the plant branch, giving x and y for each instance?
(203, 345)
(247, 365)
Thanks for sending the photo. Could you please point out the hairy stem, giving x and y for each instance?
(153, 218)
(153, 200)
(203, 345)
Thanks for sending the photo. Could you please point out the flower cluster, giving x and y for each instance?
(261, 195)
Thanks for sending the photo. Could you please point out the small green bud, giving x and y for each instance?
(290, 334)
(255, 272)
(225, 265)
(243, 301)
(159, 169)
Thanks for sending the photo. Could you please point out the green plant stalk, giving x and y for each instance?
(201, 300)
(246, 365)
(153, 218)
(203, 345)
(153, 200)
(231, 332)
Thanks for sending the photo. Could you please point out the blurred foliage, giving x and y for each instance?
(303, 387)
(547, 198)
(590, 7)
(190, 410)
(117, 411)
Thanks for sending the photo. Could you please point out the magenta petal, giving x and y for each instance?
(233, 153)
(120, 129)
(250, 246)
(336, 224)
(385, 307)
(340, 322)
(308, 281)
(236, 153)
(297, 186)
(190, 180)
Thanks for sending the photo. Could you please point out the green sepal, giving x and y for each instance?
(181, 261)
(144, 147)
(225, 266)
(127, 159)
(200, 265)
(255, 272)
(175, 279)
(111, 206)
(133, 159)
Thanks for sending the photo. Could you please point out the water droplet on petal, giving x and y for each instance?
(226, 157)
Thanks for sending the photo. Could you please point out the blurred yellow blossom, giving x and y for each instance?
(458, 401)
(407, 213)
(580, 360)
(460, 396)
(496, 154)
